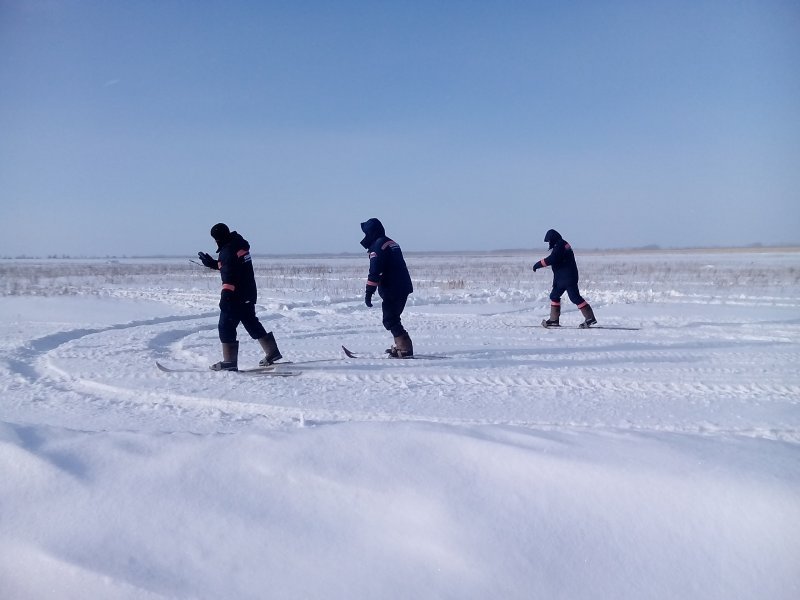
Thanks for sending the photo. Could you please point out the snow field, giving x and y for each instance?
(655, 463)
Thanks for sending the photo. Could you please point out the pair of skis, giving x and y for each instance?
(272, 369)
(289, 368)
(546, 326)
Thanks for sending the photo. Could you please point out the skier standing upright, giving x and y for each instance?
(565, 279)
(388, 274)
(238, 298)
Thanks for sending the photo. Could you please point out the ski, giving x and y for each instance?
(166, 369)
(350, 354)
(618, 327)
(269, 370)
(303, 363)
(579, 327)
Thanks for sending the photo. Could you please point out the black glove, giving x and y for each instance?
(537, 265)
(368, 295)
(207, 260)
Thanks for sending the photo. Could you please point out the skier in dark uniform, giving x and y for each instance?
(388, 274)
(565, 279)
(238, 299)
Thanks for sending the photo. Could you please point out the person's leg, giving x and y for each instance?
(392, 309)
(555, 307)
(251, 322)
(256, 331)
(586, 310)
(228, 322)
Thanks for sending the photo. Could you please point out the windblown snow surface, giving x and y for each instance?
(662, 462)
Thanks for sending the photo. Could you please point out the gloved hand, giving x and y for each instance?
(368, 295)
(537, 265)
(207, 260)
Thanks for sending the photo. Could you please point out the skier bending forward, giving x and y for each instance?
(565, 279)
(388, 274)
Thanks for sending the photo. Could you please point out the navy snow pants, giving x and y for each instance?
(392, 309)
(235, 313)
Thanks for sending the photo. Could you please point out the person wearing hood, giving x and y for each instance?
(565, 279)
(238, 298)
(388, 274)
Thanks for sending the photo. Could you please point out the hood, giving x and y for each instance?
(373, 229)
(552, 237)
(236, 241)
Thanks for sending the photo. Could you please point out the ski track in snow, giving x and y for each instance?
(680, 372)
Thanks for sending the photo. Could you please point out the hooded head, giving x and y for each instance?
(221, 234)
(373, 229)
(552, 237)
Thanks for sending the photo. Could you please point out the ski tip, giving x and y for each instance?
(161, 367)
(348, 353)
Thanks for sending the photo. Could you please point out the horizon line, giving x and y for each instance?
(643, 249)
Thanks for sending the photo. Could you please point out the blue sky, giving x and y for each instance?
(129, 128)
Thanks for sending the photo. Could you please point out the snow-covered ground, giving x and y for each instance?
(661, 462)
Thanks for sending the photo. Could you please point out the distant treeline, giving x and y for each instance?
(499, 251)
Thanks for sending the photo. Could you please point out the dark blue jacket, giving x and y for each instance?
(236, 270)
(561, 259)
(387, 267)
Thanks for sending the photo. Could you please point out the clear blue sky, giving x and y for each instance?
(129, 128)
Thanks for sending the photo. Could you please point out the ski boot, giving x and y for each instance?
(270, 348)
(403, 348)
(588, 316)
(230, 357)
(555, 313)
